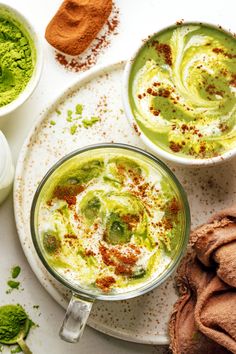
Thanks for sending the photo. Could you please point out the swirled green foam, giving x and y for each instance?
(182, 90)
(109, 223)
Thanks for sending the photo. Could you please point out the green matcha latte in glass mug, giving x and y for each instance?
(109, 222)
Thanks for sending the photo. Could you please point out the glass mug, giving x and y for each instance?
(82, 299)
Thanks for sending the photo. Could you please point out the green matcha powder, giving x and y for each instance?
(16, 62)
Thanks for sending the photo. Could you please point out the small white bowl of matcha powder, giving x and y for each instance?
(21, 59)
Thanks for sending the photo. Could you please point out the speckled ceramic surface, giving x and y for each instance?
(143, 319)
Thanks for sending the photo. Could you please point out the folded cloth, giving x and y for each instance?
(215, 313)
(204, 318)
(215, 242)
(191, 280)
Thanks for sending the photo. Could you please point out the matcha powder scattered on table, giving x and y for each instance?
(16, 61)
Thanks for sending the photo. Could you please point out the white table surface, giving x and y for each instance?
(138, 19)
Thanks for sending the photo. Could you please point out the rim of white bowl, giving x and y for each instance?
(33, 82)
(129, 114)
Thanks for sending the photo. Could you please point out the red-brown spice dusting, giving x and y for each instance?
(175, 146)
(76, 24)
(68, 193)
(90, 57)
(174, 206)
(218, 50)
(106, 256)
(121, 169)
(135, 248)
(123, 269)
(221, 51)
(167, 223)
(129, 258)
(70, 236)
(156, 112)
(184, 128)
(224, 72)
(223, 127)
(164, 93)
(89, 253)
(95, 226)
(136, 129)
(115, 257)
(130, 220)
(233, 80)
(105, 283)
(179, 22)
(212, 90)
(202, 147)
(76, 217)
(165, 50)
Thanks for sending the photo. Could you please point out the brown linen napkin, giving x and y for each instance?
(191, 279)
(215, 242)
(204, 318)
(215, 313)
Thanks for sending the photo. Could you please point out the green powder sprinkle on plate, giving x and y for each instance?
(90, 122)
(13, 284)
(15, 272)
(73, 129)
(36, 307)
(74, 115)
(79, 109)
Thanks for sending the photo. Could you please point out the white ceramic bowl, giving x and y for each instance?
(29, 31)
(153, 147)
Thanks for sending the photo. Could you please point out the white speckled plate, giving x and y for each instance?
(143, 319)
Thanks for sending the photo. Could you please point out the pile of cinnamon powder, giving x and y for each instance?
(73, 31)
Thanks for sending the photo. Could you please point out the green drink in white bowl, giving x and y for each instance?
(180, 90)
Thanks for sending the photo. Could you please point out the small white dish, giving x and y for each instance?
(161, 153)
(6, 168)
(29, 30)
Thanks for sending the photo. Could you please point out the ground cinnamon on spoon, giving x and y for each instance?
(76, 24)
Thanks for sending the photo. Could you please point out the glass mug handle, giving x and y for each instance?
(75, 319)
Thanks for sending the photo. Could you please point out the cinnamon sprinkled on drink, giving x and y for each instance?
(233, 80)
(165, 50)
(174, 206)
(89, 253)
(70, 236)
(175, 147)
(68, 193)
(105, 283)
(212, 90)
(130, 220)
